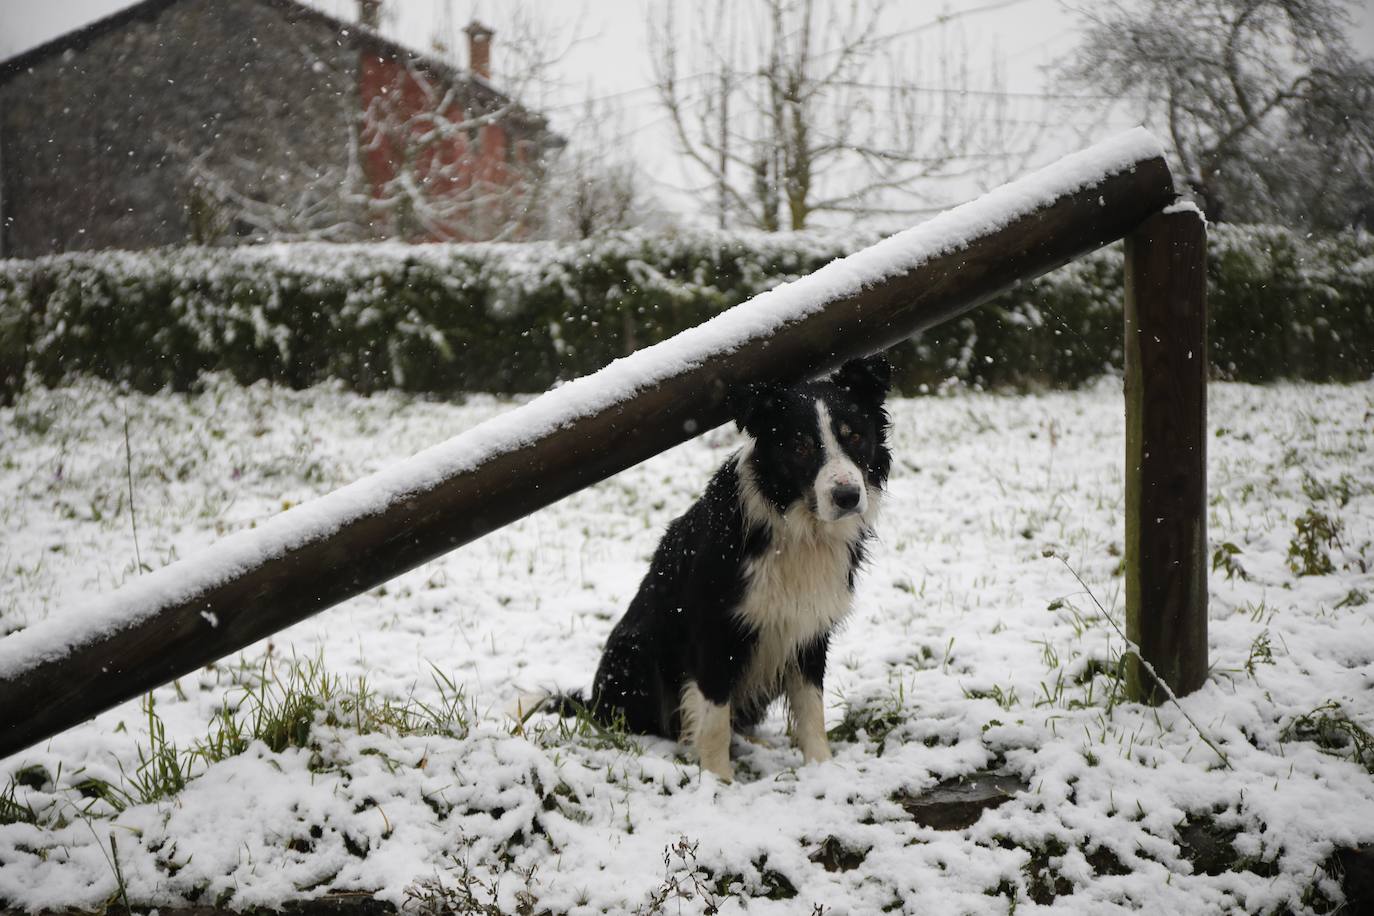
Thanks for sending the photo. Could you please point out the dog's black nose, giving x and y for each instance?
(845, 497)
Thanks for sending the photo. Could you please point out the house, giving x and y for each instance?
(214, 121)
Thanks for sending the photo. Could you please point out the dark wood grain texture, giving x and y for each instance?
(1166, 453)
(178, 638)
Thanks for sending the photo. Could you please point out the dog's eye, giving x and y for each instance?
(845, 431)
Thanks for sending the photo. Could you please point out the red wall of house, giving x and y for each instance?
(400, 107)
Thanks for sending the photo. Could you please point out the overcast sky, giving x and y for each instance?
(615, 56)
(612, 58)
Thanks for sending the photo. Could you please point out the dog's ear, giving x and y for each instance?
(867, 378)
(750, 403)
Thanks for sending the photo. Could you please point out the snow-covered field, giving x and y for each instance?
(972, 648)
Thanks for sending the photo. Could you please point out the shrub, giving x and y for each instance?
(512, 318)
(1307, 552)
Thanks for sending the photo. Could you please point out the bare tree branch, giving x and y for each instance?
(818, 115)
(430, 153)
(1265, 101)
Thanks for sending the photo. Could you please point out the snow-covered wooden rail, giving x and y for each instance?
(60, 671)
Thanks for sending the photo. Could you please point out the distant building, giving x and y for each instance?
(178, 121)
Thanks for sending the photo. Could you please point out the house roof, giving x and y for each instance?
(148, 10)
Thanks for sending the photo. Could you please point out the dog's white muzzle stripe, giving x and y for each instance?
(840, 486)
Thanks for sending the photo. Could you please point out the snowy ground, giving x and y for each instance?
(972, 647)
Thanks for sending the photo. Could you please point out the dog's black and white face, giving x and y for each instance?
(821, 444)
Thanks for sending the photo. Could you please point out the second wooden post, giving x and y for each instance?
(1166, 453)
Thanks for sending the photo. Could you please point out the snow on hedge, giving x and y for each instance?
(523, 318)
(760, 318)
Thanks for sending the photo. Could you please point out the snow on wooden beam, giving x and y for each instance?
(62, 670)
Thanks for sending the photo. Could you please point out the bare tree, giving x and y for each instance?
(461, 160)
(793, 108)
(602, 197)
(597, 188)
(234, 197)
(450, 160)
(427, 152)
(1268, 111)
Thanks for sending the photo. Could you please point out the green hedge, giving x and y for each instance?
(454, 318)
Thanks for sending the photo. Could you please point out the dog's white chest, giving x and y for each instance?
(796, 590)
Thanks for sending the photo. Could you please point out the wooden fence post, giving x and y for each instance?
(1166, 453)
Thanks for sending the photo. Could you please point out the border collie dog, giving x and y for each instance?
(746, 587)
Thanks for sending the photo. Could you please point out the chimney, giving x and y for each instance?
(479, 48)
(370, 14)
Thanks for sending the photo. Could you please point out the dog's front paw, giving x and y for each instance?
(816, 752)
(725, 771)
(716, 759)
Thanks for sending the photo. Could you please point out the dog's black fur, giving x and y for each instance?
(694, 619)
